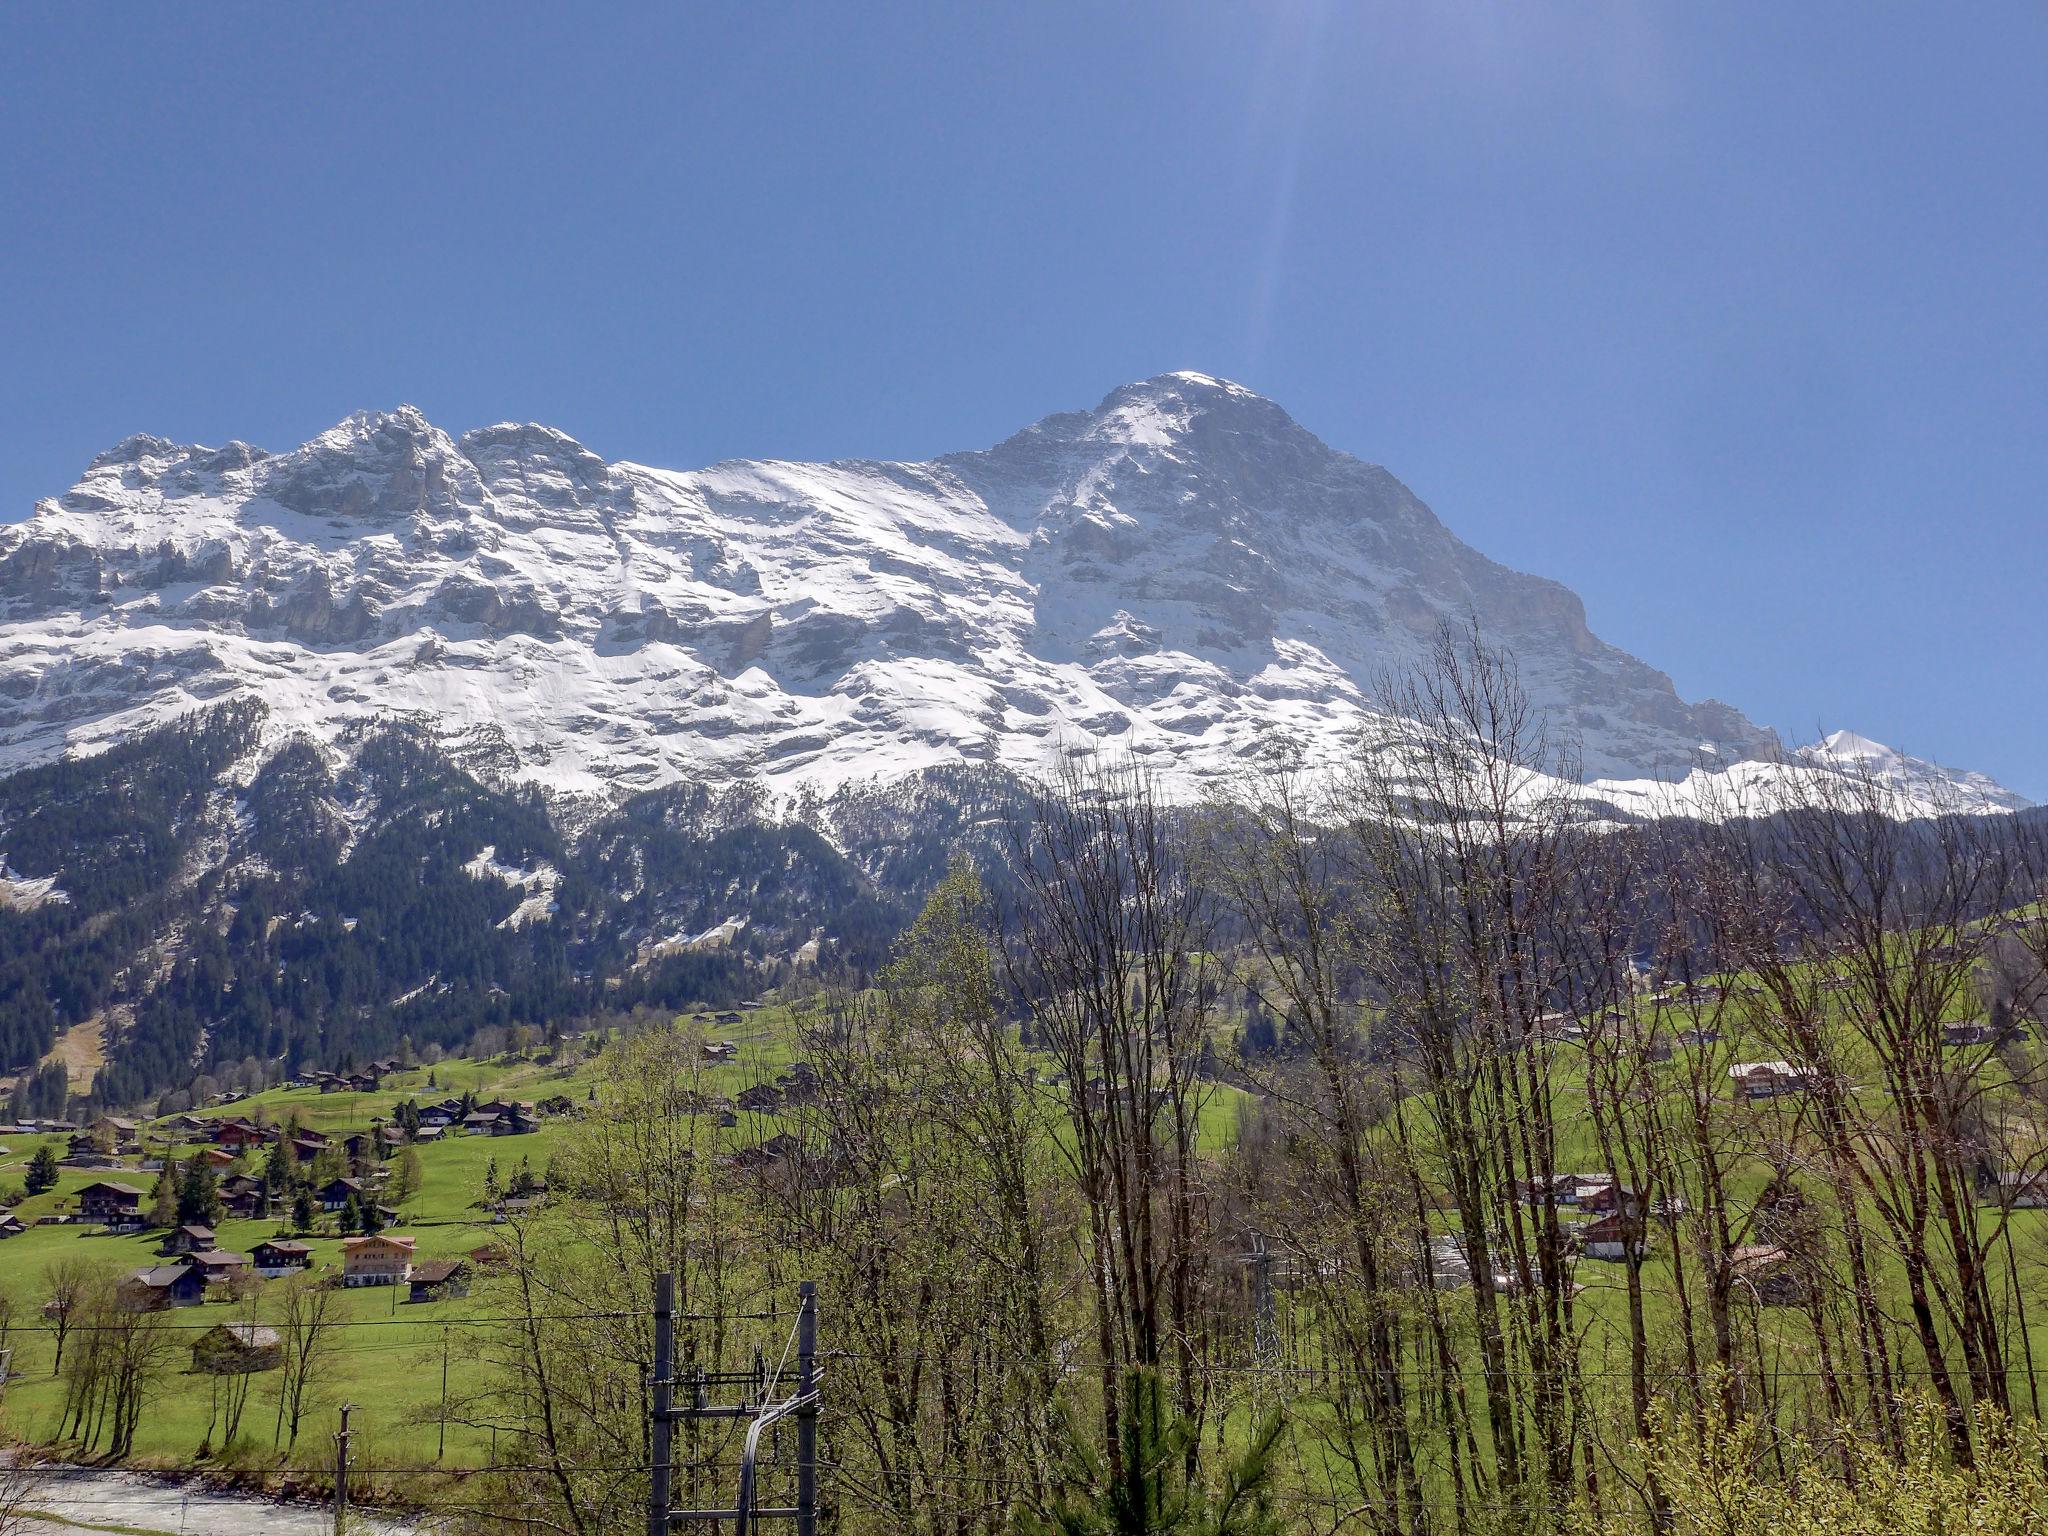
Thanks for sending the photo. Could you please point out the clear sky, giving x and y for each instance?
(1733, 317)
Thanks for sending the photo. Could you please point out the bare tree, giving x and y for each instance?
(1109, 939)
(309, 1322)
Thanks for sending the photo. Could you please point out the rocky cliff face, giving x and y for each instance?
(1183, 573)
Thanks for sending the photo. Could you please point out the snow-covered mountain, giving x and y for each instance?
(1183, 572)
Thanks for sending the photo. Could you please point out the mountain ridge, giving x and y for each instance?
(1183, 573)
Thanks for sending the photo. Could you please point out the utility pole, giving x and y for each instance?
(746, 1512)
(341, 1474)
(441, 1450)
(807, 1412)
(664, 1414)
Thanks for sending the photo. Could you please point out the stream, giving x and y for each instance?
(94, 1496)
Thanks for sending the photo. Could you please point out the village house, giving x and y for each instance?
(245, 1197)
(336, 1193)
(1974, 1032)
(378, 1260)
(1562, 1188)
(1756, 1080)
(115, 1204)
(1604, 1196)
(217, 1266)
(280, 1256)
(217, 1157)
(1612, 1237)
(86, 1150)
(190, 1238)
(2015, 1190)
(437, 1279)
(779, 1148)
(10, 1225)
(163, 1285)
(237, 1349)
(238, 1134)
(760, 1099)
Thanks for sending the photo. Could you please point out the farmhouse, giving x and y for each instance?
(378, 1260)
(238, 1134)
(280, 1256)
(2016, 1190)
(163, 1285)
(237, 1349)
(114, 1204)
(217, 1266)
(1612, 1237)
(336, 1194)
(10, 1225)
(1767, 1079)
(245, 1197)
(190, 1238)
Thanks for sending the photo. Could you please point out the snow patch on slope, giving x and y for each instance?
(536, 885)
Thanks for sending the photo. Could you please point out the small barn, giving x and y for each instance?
(237, 1349)
(437, 1279)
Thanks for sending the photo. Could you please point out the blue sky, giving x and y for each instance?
(1733, 317)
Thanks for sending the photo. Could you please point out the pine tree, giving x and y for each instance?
(163, 1198)
(351, 1216)
(304, 1214)
(42, 1171)
(199, 1195)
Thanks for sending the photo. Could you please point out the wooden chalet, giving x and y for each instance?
(280, 1256)
(114, 1204)
(217, 1266)
(336, 1193)
(1757, 1080)
(163, 1285)
(190, 1238)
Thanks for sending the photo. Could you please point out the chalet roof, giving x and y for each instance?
(434, 1271)
(157, 1276)
(283, 1245)
(247, 1335)
(1774, 1068)
(214, 1258)
(355, 1244)
(119, 1189)
(194, 1229)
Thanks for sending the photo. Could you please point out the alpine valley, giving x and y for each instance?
(403, 735)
